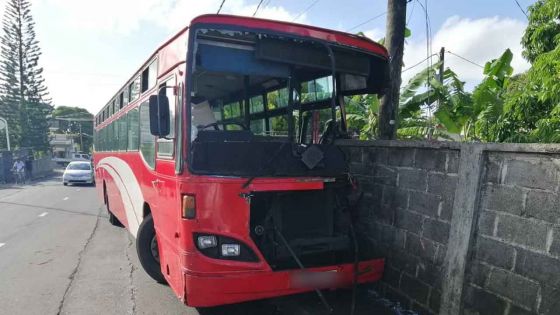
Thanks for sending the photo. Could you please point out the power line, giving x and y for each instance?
(520, 8)
(465, 59)
(258, 6)
(366, 21)
(418, 63)
(306, 9)
(265, 4)
(221, 5)
(411, 12)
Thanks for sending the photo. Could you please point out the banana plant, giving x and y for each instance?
(436, 111)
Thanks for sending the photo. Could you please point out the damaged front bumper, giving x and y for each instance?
(234, 287)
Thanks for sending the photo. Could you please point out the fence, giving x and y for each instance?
(465, 228)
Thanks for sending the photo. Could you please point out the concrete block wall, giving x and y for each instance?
(494, 251)
(409, 193)
(515, 265)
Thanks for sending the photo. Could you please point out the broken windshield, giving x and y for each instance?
(252, 91)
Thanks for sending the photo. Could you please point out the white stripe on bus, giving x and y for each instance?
(129, 189)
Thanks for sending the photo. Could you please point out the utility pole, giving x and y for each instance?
(441, 66)
(440, 79)
(394, 40)
(82, 140)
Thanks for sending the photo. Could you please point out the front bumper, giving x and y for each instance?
(204, 289)
(78, 180)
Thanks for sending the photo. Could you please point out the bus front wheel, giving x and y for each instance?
(148, 252)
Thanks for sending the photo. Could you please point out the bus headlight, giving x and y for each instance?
(229, 250)
(223, 247)
(207, 241)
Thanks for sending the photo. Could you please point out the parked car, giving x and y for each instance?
(78, 172)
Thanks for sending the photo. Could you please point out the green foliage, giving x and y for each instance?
(445, 99)
(362, 113)
(531, 102)
(71, 112)
(502, 108)
(24, 100)
(77, 121)
(442, 109)
(543, 31)
(488, 99)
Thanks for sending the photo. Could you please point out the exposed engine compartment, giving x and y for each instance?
(317, 225)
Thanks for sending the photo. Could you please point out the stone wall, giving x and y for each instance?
(476, 224)
(515, 265)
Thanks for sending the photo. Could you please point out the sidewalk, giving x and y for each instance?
(12, 185)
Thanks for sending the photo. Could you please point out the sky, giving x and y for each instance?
(91, 48)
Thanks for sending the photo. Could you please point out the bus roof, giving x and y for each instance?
(302, 30)
(296, 29)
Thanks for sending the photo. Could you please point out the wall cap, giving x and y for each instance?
(550, 148)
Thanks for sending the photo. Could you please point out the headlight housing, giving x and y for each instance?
(223, 247)
(207, 241)
(231, 250)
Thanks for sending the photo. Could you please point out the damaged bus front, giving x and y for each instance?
(277, 211)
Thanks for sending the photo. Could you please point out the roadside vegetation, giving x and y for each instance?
(502, 108)
(24, 98)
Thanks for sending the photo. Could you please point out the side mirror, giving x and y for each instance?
(159, 115)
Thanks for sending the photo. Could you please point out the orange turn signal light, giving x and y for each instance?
(189, 207)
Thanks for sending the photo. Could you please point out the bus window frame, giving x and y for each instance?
(191, 51)
(163, 80)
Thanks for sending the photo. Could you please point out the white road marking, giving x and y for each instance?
(65, 198)
(43, 214)
(2, 244)
(78, 189)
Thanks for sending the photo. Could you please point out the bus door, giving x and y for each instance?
(168, 201)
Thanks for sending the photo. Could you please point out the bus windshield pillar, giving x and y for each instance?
(246, 101)
(291, 84)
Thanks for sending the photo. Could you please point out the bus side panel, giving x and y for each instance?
(116, 200)
(114, 197)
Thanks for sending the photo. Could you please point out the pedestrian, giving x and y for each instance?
(19, 169)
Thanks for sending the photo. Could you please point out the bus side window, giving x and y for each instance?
(133, 125)
(123, 133)
(147, 140)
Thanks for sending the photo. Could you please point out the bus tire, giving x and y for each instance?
(112, 218)
(148, 258)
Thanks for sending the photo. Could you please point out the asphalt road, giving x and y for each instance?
(60, 255)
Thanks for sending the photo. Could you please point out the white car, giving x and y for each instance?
(78, 172)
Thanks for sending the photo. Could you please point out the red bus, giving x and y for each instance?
(219, 156)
